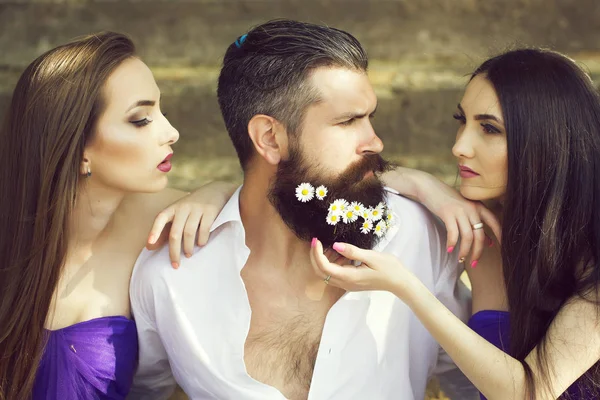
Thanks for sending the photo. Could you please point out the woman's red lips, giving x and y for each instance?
(165, 165)
(466, 172)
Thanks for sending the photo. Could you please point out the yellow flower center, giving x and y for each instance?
(375, 212)
(304, 192)
(349, 214)
(334, 217)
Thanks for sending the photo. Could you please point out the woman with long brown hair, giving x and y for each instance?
(85, 152)
(528, 145)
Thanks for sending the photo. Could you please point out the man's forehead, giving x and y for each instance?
(342, 88)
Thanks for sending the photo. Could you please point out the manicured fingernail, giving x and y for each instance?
(461, 260)
(450, 249)
(188, 255)
(338, 247)
(314, 242)
(175, 265)
(474, 263)
(151, 239)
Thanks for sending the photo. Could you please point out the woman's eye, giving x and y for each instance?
(459, 117)
(141, 122)
(489, 128)
(349, 122)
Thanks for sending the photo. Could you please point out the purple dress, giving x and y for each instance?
(494, 326)
(93, 359)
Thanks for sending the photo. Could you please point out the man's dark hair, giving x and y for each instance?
(266, 71)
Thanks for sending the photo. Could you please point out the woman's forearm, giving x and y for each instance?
(406, 181)
(497, 375)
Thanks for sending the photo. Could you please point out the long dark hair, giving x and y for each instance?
(551, 211)
(51, 117)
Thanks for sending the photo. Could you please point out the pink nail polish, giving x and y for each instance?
(339, 247)
(175, 265)
(474, 263)
(450, 249)
(314, 242)
(151, 239)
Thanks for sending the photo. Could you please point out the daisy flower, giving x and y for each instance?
(338, 206)
(305, 192)
(321, 192)
(377, 212)
(380, 228)
(366, 214)
(333, 219)
(357, 207)
(366, 227)
(349, 215)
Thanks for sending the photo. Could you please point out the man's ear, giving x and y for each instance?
(269, 138)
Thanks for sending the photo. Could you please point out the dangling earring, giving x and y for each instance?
(89, 172)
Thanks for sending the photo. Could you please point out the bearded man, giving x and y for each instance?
(246, 316)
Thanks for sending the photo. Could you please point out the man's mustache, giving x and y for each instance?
(369, 163)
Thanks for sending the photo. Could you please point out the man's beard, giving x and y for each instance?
(308, 220)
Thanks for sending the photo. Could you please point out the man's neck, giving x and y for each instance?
(271, 242)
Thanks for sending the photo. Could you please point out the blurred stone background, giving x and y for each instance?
(420, 52)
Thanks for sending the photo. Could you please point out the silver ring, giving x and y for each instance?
(477, 226)
(326, 280)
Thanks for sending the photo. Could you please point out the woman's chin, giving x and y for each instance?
(480, 194)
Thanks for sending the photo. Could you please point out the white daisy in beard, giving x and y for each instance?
(380, 228)
(377, 212)
(333, 219)
(338, 206)
(357, 207)
(389, 219)
(305, 192)
(349, 215)
(366, 227)
(366, 214)
(321, 192)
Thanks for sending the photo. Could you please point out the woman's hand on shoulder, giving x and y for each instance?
(188, 220)
(457, 213)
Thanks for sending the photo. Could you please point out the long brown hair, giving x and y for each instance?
(52, 115)
(551, 218)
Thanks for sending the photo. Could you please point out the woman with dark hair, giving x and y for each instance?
(85, 151)
(528, 146)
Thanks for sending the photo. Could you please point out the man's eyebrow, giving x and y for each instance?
(355, 115)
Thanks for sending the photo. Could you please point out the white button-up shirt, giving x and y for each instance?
(192, 322)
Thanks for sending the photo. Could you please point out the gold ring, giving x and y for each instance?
(477, 226)
(326, 280)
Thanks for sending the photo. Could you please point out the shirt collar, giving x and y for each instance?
(229, 213)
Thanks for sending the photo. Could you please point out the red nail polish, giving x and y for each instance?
(314, 242)
(450, 249)
(339, 247)
(474, 263)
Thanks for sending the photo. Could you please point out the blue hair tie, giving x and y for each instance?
(240, 41)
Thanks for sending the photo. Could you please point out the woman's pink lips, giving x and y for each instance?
(165, 165)
(466, 172)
